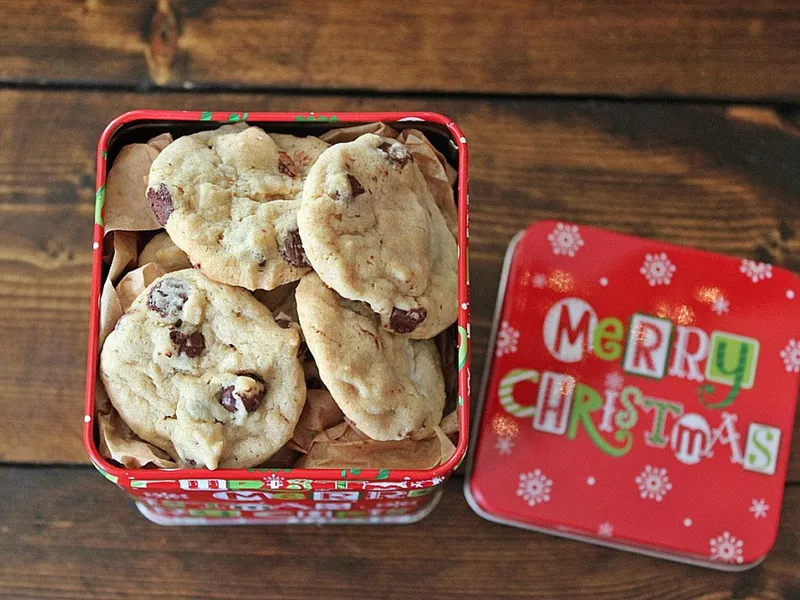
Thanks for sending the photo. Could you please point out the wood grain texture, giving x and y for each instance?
(68, 533)
(719, 179)
(683, 48)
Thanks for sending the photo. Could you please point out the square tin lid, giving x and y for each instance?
(639, 395)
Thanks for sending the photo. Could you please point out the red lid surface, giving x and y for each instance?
(640, 395)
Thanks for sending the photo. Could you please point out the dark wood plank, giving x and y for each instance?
(717, 49)
(68, 533)
(719, 179)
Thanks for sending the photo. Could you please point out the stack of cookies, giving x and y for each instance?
(291, 264)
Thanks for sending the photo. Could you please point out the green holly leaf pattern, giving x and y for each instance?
(383, 474)
(462, 347)
(318, 118)
(99, 201)
(111, 478)
(206, 115)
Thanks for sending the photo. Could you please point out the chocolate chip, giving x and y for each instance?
(397, 154)
(406, 321)
(286, 165)
(168, 296)
(194, 346)
(356, 189)
(251, 399)
(226, 398)
(160, 202)
(191, 345)
(292, 250)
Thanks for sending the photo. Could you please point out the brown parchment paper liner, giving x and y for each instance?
(321, 439)
(126, 206)
(344, 447)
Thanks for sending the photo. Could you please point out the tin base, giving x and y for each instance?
(160, 519)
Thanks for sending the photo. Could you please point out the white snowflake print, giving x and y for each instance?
(507, 340)
(657, 269)
(539, 281)
(504, 444)
(416, 484)
(721, 305)
(755, 271)
(565, 239)
(534, 487)
(653, 483)
(437, 480)
(614, 381)
(605, 529)
(726, 548)
(275, 482)
(759, 508)
(791, 356)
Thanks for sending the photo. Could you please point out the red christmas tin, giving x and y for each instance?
(273, 495)
(640, 396)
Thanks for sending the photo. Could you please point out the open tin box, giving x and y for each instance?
(273, 495)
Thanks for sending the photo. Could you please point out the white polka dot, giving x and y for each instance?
(87, 418)
(687, 522)
(590, 480)
(790, 294)
(603, 281)
(463, 140)
(95, 246)
(465, 306)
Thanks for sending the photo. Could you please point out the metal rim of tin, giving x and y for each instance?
(123, 476)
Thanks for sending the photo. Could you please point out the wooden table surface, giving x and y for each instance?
(675, 121)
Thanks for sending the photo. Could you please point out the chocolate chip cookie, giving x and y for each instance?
(372, 231)
(201, 370)
(390, 387)
(229, 199)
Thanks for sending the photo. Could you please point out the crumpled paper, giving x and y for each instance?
(320, 413)
(344, 447)
(163, 251)
(322, 439)
(126, 206)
